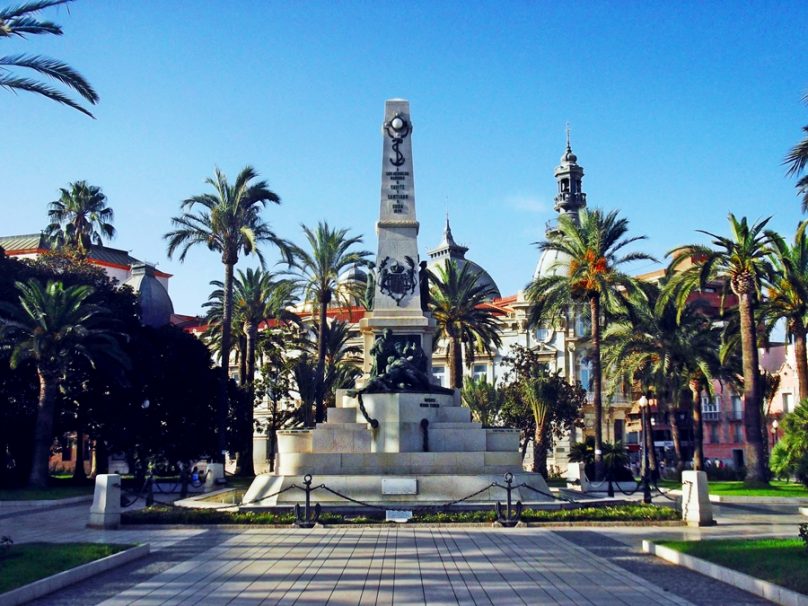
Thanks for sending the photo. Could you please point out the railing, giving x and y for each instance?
(711, 416)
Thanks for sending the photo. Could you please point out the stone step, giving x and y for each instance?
(342, 415)
(290, 463)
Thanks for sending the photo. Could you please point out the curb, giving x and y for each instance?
(42, 587)
(717, 498)
(532, 524)
(753, 585)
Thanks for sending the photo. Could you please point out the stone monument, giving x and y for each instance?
(398, 439)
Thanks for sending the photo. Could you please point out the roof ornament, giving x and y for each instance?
(568, 137)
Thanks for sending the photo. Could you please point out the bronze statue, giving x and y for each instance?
(423, 284)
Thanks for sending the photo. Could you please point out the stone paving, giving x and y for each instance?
(396, 565)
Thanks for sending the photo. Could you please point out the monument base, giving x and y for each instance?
(396, 491)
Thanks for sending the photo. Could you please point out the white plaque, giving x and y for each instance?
(399, 486)
(398, 516)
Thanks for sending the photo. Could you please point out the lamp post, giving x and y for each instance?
(646, 487)
(775, 425)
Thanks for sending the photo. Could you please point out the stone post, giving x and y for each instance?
(696, 507)
(105, 511)
(214, 476)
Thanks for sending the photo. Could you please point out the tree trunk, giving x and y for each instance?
(43, 430)
(673, 416)
(523, 446)
(251, 337)
(698, 435)
(79, 474)
(319, 406)
(594, 306)
(649, 446)
(800, 354)
(456, 363)
(242, 361)
(222, 404)
(755, 457)
(101, 456)
(539, 453)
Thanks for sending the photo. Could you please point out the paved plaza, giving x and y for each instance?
(395, 565)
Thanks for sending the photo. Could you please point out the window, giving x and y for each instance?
(714, 433)
(543, 334)
(582, 326)
(585, 375)
(480, 371)
(439, 373)
(737, 408)
(738, 433)
(709, 404)
(788, 402)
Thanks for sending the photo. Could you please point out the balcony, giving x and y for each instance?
(712, 415)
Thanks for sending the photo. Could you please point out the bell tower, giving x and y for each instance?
(570, 197)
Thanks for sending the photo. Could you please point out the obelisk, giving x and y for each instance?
(397, 298)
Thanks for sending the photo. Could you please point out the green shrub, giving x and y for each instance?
(804, 534)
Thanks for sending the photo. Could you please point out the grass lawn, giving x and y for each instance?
(27, 562)
(777, 488)
(780, 561)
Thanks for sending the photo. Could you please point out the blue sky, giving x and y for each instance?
(680, 112)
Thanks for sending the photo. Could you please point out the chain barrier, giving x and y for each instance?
(307, 516)
(662, 493)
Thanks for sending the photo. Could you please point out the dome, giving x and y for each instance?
(551, 263)
(569, 157)
(448, 250)
(483, 277)
(155, 304)
(353, 274)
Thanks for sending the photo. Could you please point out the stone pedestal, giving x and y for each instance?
(105, 511)
(696, 507)
(214, 477)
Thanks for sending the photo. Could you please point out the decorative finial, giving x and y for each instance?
(568, 137)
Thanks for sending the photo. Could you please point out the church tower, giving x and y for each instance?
(570, 198)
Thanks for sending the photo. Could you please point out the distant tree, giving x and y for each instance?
(228, 222)
(21, 21)
(654, 344)
(51, 326)
(80, 218)
(555, 405)
(458, 296)
(274, 387)
(484, 400)
(797, 160)
(593, 244)
(741, 263)
(790, 454)
(787, 296)
(330, 253)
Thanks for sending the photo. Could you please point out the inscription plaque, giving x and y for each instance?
(399, 486)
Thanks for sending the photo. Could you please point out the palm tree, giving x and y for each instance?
(788, 296)
(484, 400)
(228, 222)
(662, 348)
(797, 160)
(52, 326)
(256, 299)
(458, 298)
(20, 21)
(80, 217)
(741, 262)
(319, 269)
(593, 245)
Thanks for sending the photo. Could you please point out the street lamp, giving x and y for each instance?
(775, 425)
(646, 487)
